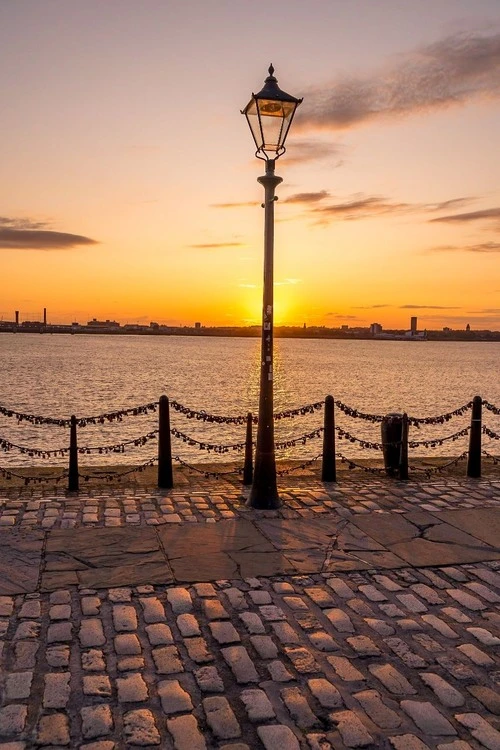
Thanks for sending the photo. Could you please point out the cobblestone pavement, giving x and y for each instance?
(406, 659)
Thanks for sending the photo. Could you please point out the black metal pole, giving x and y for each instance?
(73, 484)
(328, 471)
(165, 475)
(264, 493)
(248, 467)
(474, 460)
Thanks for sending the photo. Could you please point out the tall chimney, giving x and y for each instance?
(45, 316)
(17, 317)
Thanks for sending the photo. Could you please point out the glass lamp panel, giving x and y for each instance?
(252, 116)
(276, 117)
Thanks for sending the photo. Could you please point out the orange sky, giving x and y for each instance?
(129, 185)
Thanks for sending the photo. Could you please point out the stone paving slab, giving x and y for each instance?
(239, 548)
(482, 523)
(20, 558)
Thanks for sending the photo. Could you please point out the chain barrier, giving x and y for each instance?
(9, 474)
(218, 419)
(344, 435)
(354, 465)
(302, 439)
(350, 412)
(491, 407)
(309, 462)
(490, 433)
(207, 474)
(210, 447)
(113, 416)
(439, 441)
(110, 475)
(428, 472)
(442, 418)
(7, 446)
(495, 459)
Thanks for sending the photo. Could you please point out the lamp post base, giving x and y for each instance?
(264, 492)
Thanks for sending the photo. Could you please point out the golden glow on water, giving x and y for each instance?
(61, 375)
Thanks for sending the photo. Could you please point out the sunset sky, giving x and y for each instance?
(129, 184)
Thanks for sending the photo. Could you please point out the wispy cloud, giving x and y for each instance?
(340, 316)
(428, 307)
(371, 307)
(304, 151)
(483, 247)
(26, 234)
(307, 197)
(487, 214)
(288, 282)
(241, 204)
(247, 286)
(215, 245)
(359, 208)
(450, 72)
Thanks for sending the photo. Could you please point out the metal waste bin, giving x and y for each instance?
(392, 436)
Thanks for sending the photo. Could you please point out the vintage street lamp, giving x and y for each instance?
(269, 114)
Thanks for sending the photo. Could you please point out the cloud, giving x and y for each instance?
(487, 214)
(483, 247)
(248, 286)
(453, 71)
(244, 204)
(427, 307)
(304, 151)
(371, 307)
(307, 197)
(340, 316)
(360, 208)
(287, 282)
(26, 234)
(215, 245)
(370, 206)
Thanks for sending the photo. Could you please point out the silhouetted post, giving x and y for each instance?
(73, 457)
(165, 475)
(474, 460)
(403, 455)
(392, 429)
(329, 471)
(248, 468)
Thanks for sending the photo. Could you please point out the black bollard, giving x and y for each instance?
(165, 474)
(73, 485)
(403, 454)
(392, 434)
(248, 467)
(328, 470)
(474, 460)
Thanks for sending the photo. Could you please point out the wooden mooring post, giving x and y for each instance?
(248, 467)
(474, 459)
(73, 484)
(329, 470)
(165, 474)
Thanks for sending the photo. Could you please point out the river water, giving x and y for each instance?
(60, 375)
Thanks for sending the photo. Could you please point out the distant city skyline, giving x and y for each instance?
(129, 184)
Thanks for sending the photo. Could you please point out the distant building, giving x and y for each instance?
(467, 327)
(103, 323)
(375, 328)
(197, 325)
(344, 328)
(413, 324)
(446, 329)
(154, 325)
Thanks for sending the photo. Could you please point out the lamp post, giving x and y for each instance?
(269, 115)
